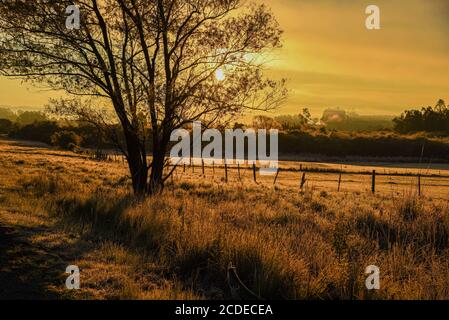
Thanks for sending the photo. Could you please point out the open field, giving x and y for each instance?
(58, 209)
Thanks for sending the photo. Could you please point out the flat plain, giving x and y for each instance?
(60, 208)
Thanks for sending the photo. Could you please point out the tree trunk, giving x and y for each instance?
(156, 183)
(137, 163)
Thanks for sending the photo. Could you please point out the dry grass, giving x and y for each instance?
(286, 244)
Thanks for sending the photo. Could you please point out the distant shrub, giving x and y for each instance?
(67, 135)
(68, 140)
(6, 126)
(30, 117)
(37, 131)
(7, 114)
(294, 122)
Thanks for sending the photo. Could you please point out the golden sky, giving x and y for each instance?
(331, 60)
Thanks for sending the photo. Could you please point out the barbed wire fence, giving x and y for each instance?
(302, 175)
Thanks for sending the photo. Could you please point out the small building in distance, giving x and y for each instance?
(339, 119)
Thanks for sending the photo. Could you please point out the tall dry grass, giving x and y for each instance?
(285, 244)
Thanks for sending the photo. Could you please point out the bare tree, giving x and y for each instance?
(160, 63)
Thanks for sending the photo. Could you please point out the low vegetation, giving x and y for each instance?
(384, 144)
(285, 244)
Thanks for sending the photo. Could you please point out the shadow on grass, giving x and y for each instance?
(29, 271)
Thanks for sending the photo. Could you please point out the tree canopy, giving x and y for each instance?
(155, 61)
(430, 119)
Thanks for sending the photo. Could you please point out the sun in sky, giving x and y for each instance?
(220, 75)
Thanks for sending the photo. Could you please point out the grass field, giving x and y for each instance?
(58, 209)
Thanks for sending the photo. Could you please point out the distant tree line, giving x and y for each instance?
(300, 134)
(430, 119)
(37, 126)
(371, 144)
(21, 117)
(433, 120)
(301, 121)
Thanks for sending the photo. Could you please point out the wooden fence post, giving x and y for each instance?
(226, 172)
(339, 182)
(254, 172)
(202, 167)
(303, 180)
(276, 177)
(213, 168)
(184, 168)
(419, 185)
(373, 182)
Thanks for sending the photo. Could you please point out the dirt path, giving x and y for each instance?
(34, 254)
(35, 251)
(27, 271)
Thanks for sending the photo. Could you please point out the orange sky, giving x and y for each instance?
(332, 60)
